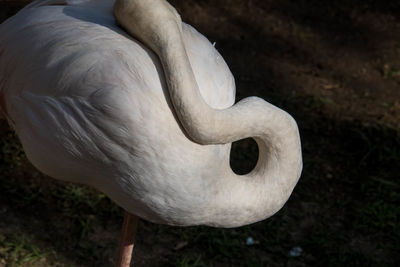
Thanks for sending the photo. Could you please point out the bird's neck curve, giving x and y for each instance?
(238, 199)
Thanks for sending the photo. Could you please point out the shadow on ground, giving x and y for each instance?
(334, 67)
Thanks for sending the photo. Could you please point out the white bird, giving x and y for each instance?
(150, 122)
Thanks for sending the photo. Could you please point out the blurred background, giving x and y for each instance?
(335, 66)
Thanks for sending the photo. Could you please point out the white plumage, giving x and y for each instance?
(90, 105)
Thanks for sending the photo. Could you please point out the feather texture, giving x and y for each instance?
(91, 105)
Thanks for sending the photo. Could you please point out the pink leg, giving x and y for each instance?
(128, 234)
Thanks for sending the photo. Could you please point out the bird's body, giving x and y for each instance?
(91, 105)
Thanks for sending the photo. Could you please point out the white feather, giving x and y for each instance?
(90, 105)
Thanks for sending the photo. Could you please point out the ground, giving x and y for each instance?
(334, 65)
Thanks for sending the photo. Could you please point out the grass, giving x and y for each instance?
(344, 210)
(20, 249)
(190, 261)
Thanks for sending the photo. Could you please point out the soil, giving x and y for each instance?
(335, 67)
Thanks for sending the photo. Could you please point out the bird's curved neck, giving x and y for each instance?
(238, 200)
(269, 185)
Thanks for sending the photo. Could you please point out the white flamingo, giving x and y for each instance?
(147, 120)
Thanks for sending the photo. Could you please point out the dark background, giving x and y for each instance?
(334, 65)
